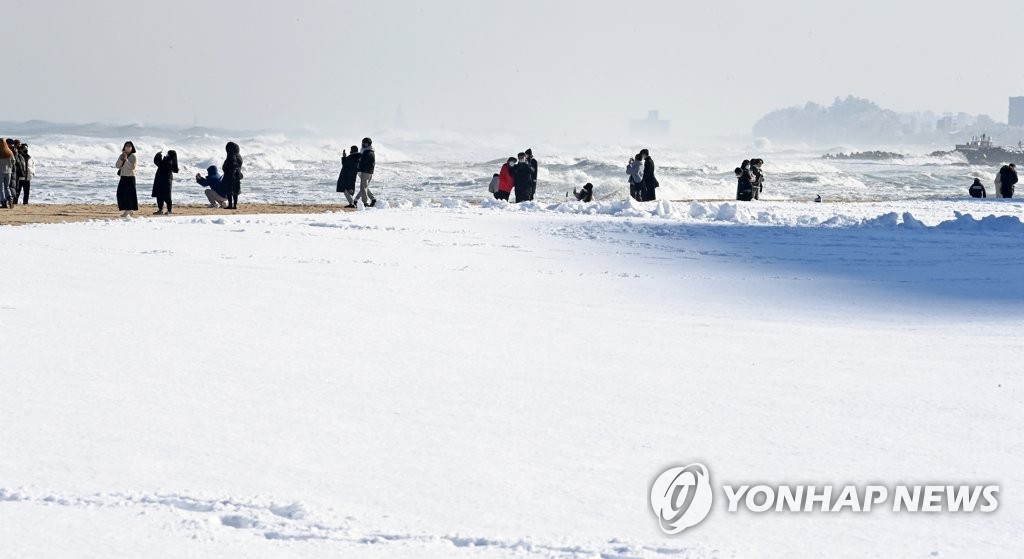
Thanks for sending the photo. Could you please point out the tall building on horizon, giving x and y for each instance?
(1016, 112)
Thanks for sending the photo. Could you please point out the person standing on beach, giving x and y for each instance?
(505, 182)
(744, 185)
(6, 169)
(30, 172)
(20, 171)
(367, 163)
(533, 169)
(348, 175)
(522, 180)
(233, 174)
(634, 169)
(166, 167)
(756, 177)
(977, 190)
(127, 195)
(649, 182)
(1007, 179)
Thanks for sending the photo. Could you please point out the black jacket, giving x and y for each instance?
(650, 182)
(232, 169)
(744, 186)
(585, 195)
(522, 179)
(533, 168)
(164, 179)
(367, 161)
(1008, 176)
(349, 170)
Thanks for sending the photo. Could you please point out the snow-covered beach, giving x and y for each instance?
(436, 379)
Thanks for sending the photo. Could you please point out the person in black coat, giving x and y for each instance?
(744, 184)
(233, 176)
(348, 175)
(586, 195)
(1008, 178)
(533, 168)
(164, 179)
(650, 182)
(977, 190)
(522, 179)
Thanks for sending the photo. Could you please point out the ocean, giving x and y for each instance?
(75, 164)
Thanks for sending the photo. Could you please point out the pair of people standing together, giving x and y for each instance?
(166, 167)
(642, 182)
(358, 164)
(518, 174)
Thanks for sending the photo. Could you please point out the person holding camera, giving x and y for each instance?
(166, 167)
(127, 195)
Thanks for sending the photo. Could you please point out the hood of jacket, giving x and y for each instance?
(213, 172)
(232, 148)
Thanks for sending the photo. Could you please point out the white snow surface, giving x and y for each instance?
(440, 380)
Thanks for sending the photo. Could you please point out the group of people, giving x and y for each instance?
(16, 171)
(642, 182)
(221, 189)
(749, 180)
(518, 174)
(359, 163)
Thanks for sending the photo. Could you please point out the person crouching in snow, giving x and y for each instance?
(586, 195)
(215, 191)
(977, 190)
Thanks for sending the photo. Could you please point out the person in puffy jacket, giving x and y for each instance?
(977, 190)
(6, 170)
(25, 183)
(505, 182)
(635, 171)
(522, 179)
(215, 191)
(1007, 180)
(586, 195)
(744, 184)
(367, 163)
(233, 176)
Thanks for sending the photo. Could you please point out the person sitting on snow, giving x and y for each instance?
(586, 195)
(216, 191)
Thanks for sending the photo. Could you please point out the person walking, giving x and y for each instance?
(233, 174)
(127, 195)
(348, 175)
(367, 163)
(1007, 180)
(166, 167)
(6, 169)
(534, 168)
(30, 172)
(977, 190)
(649, 183)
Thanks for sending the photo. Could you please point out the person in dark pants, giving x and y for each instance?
(756, 177)
(533, 169)
(20, 170)
(1007, 179)
(635, 170)
(505, 182)
(649, 182)
(166, 167)
(348, 175)
(233, 176)
(127, 195)
(744, 185)
(977, 190)
(367, 165)
(522, 179)
(586, 195)
(30, 172)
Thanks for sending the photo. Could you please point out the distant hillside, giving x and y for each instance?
(859, 121)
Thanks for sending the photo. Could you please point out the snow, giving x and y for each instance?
(442, 380)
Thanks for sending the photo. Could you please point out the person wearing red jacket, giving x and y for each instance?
(505, 182)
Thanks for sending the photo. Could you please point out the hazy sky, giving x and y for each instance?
(560, 69)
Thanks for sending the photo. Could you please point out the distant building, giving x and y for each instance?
(1017, 111)
(651, 127)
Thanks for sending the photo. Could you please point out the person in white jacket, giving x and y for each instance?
(127, 195)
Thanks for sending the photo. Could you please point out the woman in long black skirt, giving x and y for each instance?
(164, 179)
(127, 196)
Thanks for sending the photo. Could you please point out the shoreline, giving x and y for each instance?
(44, 213)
